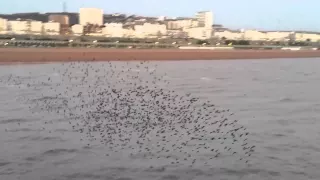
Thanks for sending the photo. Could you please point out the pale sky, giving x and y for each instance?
(256, 14)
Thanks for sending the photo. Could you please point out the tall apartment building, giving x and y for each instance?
(91, 16)
(205, 19)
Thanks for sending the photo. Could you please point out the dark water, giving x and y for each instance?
(276, 100)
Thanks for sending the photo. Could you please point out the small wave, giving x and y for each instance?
(22, 130)
(11, 121)
(13, 85)
(62, 130)
(23, 86)
(248, 171)
(205, 78)
(273, 157)
(40, 138)
(47, 98)
(59, 151)
(286, 99)
(151, 70)
(160, 169)
(218, 90)
(255, 79)
(63, 162)
(279, 135)
(34, 158)
(170, 177)
(84, 176)
(135, 70)
(221, 78)
(298, 173)
(122, 178)
(4, 164)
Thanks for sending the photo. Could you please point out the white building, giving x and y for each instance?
(113, 30)
(161, 18)
(230, 35)
(253, 35)
(278, 35)
(150, 30)
(205, 19)
(36, 27)
(77, 29)
(25, 27)
(51, 28)
(198, 32)
(91, 16)
(117, 30)
(19, 27)
(181, 23)
(3, 26)
(306, 36)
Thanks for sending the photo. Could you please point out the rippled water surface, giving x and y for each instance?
(277, 100)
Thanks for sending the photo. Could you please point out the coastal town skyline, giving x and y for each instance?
(284, 15)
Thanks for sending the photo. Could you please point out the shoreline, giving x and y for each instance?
(50, 55)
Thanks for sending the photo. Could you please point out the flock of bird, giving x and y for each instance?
(130, 107)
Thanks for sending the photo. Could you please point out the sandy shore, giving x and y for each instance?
(46, 55)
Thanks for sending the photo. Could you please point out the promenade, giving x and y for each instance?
(45, 55)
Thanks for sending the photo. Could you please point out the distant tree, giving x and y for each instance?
(202, 42)
(298, 43)
(244, 42)
(308, 42)
(226, 42)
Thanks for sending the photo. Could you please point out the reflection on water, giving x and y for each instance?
(276, 100)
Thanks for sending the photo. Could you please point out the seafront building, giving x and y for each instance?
(150, 30)
(302, 36)
(51, 28)
(278, 35)
(36, 27)
(204, 28)
(91, 23)
(25, 27)
(228, 34)
(77, 29)
(64, 22)
(33, 27)
(113, 30)
(205, 19)
(3, 26)
(117, 30)
(60, 18)
(198, 32)
(180, 23)
(91, 16)
(18, 27)
(253, 35)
